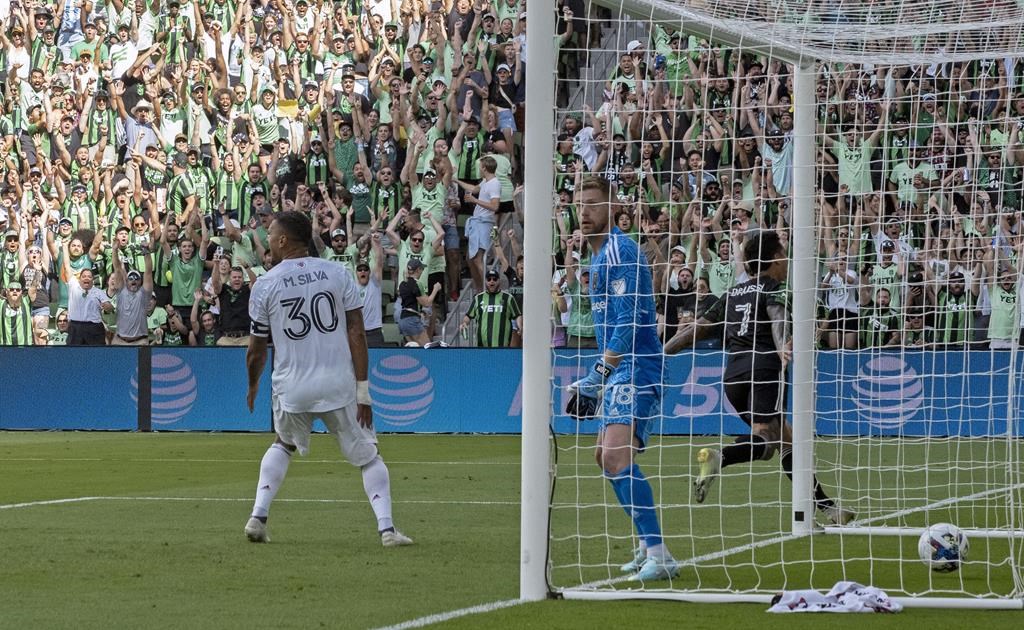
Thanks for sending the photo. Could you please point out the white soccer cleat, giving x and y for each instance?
(256, 531)
(838, 516)
(639, 555)
(394, 538)
(654, 569)
(709, 462)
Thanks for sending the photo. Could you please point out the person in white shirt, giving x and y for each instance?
(841, 287)
(368, 275)
(86, 304)
(311, 306)
(481, 227)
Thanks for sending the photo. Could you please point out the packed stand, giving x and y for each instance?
(148, 145)
(918, 193)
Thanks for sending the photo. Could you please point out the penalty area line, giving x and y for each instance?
(427, 620)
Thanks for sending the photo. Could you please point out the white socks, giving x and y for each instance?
(377, 485)
(272, 471)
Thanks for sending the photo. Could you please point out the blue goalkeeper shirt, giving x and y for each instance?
(622, 302)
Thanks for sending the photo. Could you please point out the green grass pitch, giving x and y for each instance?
(156, 539)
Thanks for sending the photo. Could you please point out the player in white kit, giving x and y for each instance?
(311, 309)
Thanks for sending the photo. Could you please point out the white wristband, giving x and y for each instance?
(363, 393)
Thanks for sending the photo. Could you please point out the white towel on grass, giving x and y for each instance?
(845, 597)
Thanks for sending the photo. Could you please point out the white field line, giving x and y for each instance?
(12, 506)
(221, 460)
(28, 504)
(453, 614)
(936, 504)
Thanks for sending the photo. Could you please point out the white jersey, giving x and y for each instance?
(302, 303)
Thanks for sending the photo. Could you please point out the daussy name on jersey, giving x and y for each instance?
(748, 325)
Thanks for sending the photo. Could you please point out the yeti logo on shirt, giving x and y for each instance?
(619, 287)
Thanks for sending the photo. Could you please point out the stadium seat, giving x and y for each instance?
(391, 335)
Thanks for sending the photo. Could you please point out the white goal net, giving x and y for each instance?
(881, 143)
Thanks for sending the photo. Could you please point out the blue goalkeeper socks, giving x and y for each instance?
(635, 494)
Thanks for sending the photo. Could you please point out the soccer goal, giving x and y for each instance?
(883, 142)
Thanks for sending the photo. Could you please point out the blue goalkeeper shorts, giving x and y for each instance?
(629, 404)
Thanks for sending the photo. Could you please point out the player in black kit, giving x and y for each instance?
(756, 316)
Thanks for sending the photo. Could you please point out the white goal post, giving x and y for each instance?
(920, 33)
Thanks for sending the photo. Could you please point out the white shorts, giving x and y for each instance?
(478, 232)
(357, 443)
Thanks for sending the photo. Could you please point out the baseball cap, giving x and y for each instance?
(888, 245)
(633, 45)
(680, 249)
(14, 285)
(10, 233)
(362, 266)
(64, 220)
(180, 160)
(338, 232)
(503, 66)
(122, 228)
(492, 273)
(78, 188)
(956, 275)
(414, 264)
(134, 273)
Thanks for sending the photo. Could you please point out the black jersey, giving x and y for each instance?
(748, 327)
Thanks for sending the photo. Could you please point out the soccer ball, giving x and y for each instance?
(943, 547)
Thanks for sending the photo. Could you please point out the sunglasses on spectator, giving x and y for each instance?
(416, 240)
(14, 289)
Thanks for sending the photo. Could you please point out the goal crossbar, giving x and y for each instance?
(733, 24)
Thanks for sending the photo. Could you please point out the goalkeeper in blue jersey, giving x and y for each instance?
(623, 389)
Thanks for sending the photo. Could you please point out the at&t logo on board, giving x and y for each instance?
(402, 390)
(888, 392)
(174, 390)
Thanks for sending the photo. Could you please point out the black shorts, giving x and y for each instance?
(841, 320)
(504, 207)
(758, 400)
(86, 334)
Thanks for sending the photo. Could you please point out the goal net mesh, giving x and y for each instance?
(687, 109)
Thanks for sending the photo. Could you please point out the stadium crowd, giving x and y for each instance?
(918, 202)
(147, 145)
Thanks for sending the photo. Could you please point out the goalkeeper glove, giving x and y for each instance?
(591, 385)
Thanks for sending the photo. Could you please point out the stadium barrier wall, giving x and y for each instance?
(479, 391)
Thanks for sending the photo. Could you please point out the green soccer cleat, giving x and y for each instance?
(709, 462)
(256, 531)
(654, 569)
(639, 555)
